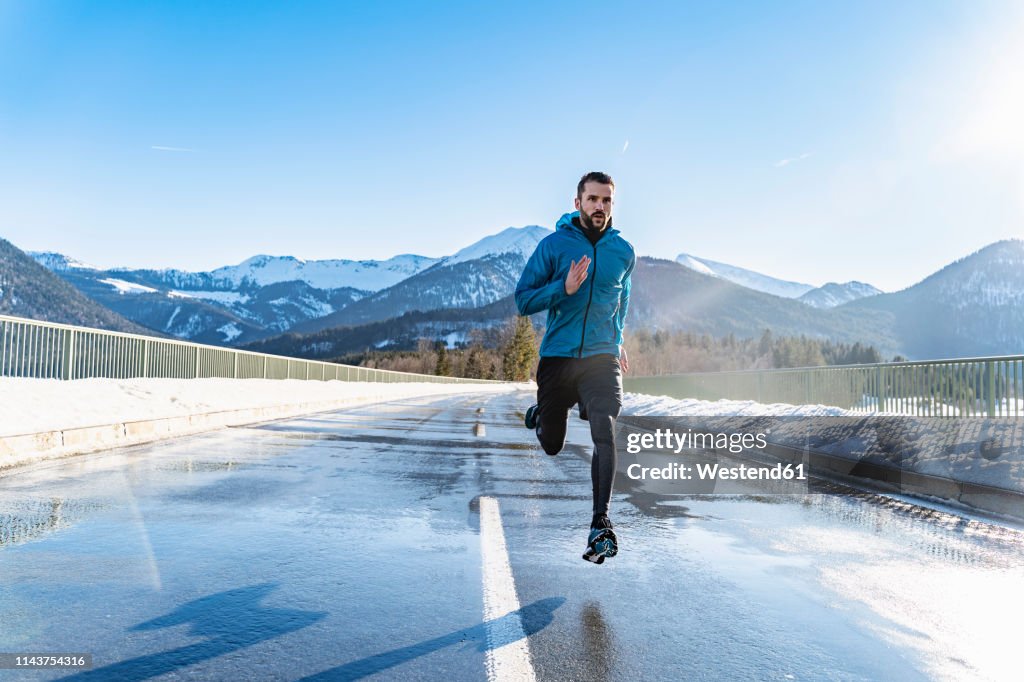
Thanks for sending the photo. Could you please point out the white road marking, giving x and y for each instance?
(508, 651)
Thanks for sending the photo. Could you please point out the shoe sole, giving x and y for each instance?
(604, 545)
(530, 418)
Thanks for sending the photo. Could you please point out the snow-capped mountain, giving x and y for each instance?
(55, 261)
(199, 307)
(229, 305)
(666, 295)
(259, 271)
(827, 296)
(972, 307)
(514, 240)
(669, 295)
(265, 295)
(743, 277)
(832, 294)
(481, 273)
(365, 275)
(165, 310)
(992, 277)
(30, 290)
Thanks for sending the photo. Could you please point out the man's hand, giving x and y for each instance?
(623, 359)
(577, 273)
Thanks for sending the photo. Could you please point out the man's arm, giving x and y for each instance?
(620, 321)
(620, 315)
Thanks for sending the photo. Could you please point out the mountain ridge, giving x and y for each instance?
(973, 306)
(30, 290)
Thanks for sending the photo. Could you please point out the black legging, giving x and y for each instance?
(595, 383)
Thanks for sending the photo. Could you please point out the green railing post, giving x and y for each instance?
(990, 390)
(32, 348)
(67, 364)
(880, 380)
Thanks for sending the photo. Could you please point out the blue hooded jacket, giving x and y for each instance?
(590, 321)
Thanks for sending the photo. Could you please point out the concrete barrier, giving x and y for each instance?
(908, 476)
(19, 450)
(975, 496)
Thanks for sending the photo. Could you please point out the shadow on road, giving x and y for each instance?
(534, 618)
(230, 621)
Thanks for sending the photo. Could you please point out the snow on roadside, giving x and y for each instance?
(39, 405)
(640, 405)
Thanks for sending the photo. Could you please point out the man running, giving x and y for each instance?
(581, 276)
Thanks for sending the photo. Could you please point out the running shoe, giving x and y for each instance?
(531, 417)
(602, 542)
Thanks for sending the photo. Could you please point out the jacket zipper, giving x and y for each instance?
(586, 312)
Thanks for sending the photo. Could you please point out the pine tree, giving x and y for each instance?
(444, 364)
(474, 368)
(520, 353)
(766, 343)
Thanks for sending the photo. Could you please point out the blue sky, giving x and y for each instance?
(813, 141)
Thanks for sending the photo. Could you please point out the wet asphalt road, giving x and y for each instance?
(348, 545)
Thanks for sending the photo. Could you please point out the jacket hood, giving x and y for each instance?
(565, 223)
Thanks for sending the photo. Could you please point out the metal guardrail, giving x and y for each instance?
(46, 350)
(964, 387)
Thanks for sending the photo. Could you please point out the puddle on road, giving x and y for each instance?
(32, 519)
(190, 466)
(421, 443)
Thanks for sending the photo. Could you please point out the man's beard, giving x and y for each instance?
(587, 222)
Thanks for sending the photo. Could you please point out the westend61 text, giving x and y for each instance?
(717, 472)
(667, 439)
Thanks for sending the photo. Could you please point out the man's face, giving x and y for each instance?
(595, 205)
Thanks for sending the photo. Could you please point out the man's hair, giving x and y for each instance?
(594, 176)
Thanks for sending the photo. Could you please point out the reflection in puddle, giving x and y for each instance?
(418, 440)
(598, 644)
(32, 519)
(192, 465)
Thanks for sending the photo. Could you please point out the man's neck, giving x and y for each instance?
(594, 234)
